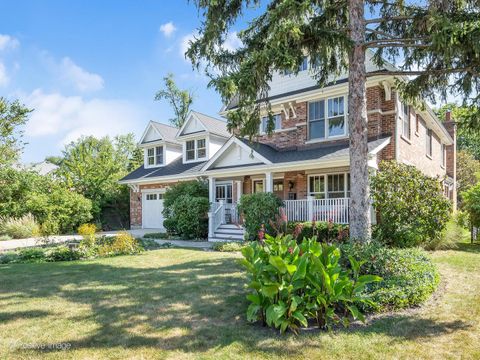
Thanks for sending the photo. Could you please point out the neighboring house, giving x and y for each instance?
(305, 161)
(42, 168)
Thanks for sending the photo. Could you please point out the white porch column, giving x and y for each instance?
(211, 189)
(268, 182)
(239, 190)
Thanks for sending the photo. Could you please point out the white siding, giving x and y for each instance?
(235, 155)
(151, 135)
(214, 144)
(193, 126)
(172, 153)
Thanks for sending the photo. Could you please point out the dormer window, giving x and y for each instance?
(155, 156)
(195, 149)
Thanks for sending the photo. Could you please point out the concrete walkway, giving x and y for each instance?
(7, 245)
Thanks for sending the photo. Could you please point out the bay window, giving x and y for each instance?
(326, 118)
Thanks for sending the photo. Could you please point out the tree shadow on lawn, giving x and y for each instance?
(193, 306)
(468, 247)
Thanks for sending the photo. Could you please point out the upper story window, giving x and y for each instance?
(329, 122)
(444, 155)
(155, 156)
(405, 116)
(429, 142)
(195, 149)
(277, 123)
(302, 67)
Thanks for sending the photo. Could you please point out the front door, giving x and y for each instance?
(223, 192)
(152, 207)
(278, 188)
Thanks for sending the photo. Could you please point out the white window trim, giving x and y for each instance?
(274, 130)
(325, 176)
(196, 159)
(401, 116)
(443, 157)
(256, 180)
(223, 183)
(429, 136)
(145, 155)
(327, 135)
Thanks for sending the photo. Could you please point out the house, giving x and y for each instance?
(305, 161)
(42, 168)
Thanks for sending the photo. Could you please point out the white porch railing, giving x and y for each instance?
(222, 213)
(335, 210)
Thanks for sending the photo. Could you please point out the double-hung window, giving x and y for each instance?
(195, 149)
(444, 155)
(405, 116)
(155, 156)
(429, 142)
(302, 67)
(277, 123)
(326, 118)
(329, 186)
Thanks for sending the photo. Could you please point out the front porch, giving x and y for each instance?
(320, 195)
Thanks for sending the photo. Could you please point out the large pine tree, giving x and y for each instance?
(435, 43)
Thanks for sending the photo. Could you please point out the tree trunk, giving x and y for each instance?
(358, 129)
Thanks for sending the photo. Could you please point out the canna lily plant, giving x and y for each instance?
(292, 284)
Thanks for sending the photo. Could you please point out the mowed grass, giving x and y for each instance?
(178, 303)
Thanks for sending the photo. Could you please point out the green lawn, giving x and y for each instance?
(176, 303)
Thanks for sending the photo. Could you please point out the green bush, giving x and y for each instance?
(63, 253)
(324, 231)
(471, 200)
(45, 197)
(186, 208)
(157, 235)
(228, 246)
(409, 276)
(121, 244)
(32, 255)
(412, 208)
(451, 236)
(5, 237)
(292, 283)
(9, 257)
(20, 228)
(259, 210)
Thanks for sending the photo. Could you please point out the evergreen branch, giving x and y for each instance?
(381, 33)
(386, 19)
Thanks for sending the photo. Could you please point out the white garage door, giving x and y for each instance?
(152, 207)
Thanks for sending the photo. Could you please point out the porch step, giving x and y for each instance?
(230, 226)
(228, 232)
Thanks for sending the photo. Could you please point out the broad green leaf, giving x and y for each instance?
(269, 290)
(291, 268)
(299, 316)
(252, 312)
(254, 298)
(301, 270)
(278, 263)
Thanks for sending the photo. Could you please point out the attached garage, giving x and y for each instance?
(152, 207)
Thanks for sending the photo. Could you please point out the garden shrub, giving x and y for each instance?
(453, 234)
(259, 212)
(412, 208)
(32, 255)
(9, 257)
(409, 276)
(19, 228)
(157, 235)
(324, 231)
(228, 246)
(49, 227)
(87, 231)
(186, 208)
(5, 237)
(293, 283)
(63, 253)
(471, 201)
(121, 244)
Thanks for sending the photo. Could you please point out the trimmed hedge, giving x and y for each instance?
(409, 276)
(325, 231)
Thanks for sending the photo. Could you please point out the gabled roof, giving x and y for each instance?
(210, 124)
(165, 132)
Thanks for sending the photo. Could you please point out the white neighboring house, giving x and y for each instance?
(42, 168)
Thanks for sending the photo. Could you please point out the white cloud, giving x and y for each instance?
(80, 78)
(69, 117)
(168, 29)
(4, 79)
(8, 42)
(232, 42)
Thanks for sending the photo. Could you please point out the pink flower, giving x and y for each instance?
(298, 230)
(283, 215)
(261, 233)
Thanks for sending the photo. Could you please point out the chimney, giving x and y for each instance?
(451, 154)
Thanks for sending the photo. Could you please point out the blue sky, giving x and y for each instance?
(93, 67)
